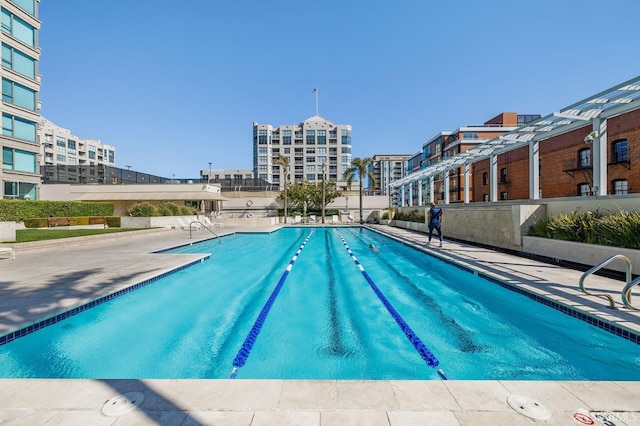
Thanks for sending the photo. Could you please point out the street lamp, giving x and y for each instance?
(209, 177)
(324, 168)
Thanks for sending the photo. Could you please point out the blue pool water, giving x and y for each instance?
(327, 322)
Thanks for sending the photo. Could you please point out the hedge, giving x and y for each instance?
(19, 210)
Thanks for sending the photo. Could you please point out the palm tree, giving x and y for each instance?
(359, 166)
(283, 162)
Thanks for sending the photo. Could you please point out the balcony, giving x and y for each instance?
(570, 167)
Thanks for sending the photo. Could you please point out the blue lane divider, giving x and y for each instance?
(424, 352)
(243, 354)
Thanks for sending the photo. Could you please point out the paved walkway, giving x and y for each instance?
(45, 279)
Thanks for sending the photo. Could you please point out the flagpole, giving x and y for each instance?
(316, 92)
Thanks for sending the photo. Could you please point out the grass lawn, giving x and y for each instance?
(25, 235)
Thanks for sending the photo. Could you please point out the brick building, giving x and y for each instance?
(566, 164)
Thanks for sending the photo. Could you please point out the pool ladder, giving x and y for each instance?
(626, 291)
(204, 227)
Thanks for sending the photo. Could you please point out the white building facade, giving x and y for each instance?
(313, 148)
(59, 147)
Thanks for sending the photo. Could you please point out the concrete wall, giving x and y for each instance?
(8, 231)
(584, 254)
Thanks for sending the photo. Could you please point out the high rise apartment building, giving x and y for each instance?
(19, 176)
(386, 168)
(311, 147)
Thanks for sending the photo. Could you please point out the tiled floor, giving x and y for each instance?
(48, 279)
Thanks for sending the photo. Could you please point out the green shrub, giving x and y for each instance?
(411, 216)
(143, 210)
(113, 221)
(619, 229)
(385, 216)
(187, 211)
(168, 209)
(19, 210)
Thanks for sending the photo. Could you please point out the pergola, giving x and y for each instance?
(594, 110)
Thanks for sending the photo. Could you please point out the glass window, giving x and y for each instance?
(346, 137)
(61, 158)
(311, 137)
(620, 186)
(322, 137)
(584, 158)
(15, 159)
(71, 146)
(92, 152)
(18, 28)
(311, 176)
(18, 61)
(584, 190)
(18, 128)
(18, 95)
(503, 175)
(26, 5)
(311, 168)
(620, 151)
(19, 190)
(485, 178)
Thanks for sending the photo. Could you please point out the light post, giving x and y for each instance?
(209, 177)
(324, 167)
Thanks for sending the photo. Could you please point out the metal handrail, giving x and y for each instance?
(626, 294)
(600, 266)
(205, 227)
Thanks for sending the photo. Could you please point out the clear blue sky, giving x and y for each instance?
(174, 88)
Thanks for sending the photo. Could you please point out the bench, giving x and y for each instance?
(8, 251)
(98, 220)
(52, 222)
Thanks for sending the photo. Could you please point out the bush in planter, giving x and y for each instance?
(619, 229)
(188, 211)
(411, 216)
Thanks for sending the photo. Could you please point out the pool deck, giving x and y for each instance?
(51, 277)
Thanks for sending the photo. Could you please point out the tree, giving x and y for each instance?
(359, 167)
(310, 193)
(283, 162)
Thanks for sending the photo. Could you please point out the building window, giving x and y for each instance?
(18, 128)
(322, 137)
(311, 137)
(485, 179)
(584, 158)
(18, 95)
(469, 136)
(311, 176)
(620, 151)
(503, 175)
(71, 147)
(311, 168)
(21, 161)
(620, 186)
(262, 137)
(61, 158)
(286, 137)
(18, 28)
(311, 159)
(19, 190)
(346, 137)
(26, 5)
(18, 61)
(311, 150)
(92, 152)
(584, 190)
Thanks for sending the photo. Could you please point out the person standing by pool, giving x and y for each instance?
(435, 221)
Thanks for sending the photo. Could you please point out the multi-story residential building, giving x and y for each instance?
(585, 149)
(19, 176)
(59, 147)
(313, 147)
(449, 143)
(386, 168)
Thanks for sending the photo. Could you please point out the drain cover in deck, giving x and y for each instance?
(122, 404)
(529, 407)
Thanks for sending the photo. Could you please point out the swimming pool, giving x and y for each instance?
(327, 322)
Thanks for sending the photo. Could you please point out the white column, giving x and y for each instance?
(493, 178)
(432, 195)
(467, 170)
(402, 196)
(600, 157)
(411, 194)
(420, 203)
(446, 187)
(534, 170)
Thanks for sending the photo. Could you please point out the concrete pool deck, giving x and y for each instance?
(51, 277)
